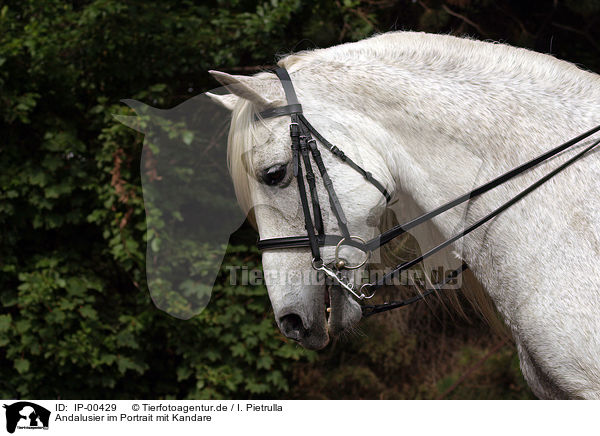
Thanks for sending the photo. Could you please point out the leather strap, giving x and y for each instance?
(308, 222)
(379, 308)
(303, 144)
(293, 107)
(288, 87)
(279, 111)
(387, 277)
(310, 178)
(342, 156)
(334, 201)
(303, 242)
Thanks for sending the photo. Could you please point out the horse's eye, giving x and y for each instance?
(274, 175)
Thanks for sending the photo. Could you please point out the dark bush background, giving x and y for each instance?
(76, 320)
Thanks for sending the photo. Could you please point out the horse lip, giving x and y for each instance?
(334, 305)
(342, 316)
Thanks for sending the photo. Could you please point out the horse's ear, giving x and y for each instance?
(228, 101)
(246, 87)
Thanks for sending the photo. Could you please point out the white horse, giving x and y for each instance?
(428, 116)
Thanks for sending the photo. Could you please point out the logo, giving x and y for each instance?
(26, 415)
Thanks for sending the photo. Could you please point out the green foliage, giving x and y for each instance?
(76, 319)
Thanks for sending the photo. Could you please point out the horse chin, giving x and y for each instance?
(316, 341)
(344, 311)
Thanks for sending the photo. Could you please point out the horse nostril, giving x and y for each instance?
(292, 327)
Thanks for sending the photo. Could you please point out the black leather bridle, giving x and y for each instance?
(304, 145)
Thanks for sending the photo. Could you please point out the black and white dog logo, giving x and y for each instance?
(26, 415)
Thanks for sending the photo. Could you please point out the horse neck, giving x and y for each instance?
(446, 122)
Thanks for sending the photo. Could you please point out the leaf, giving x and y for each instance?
(264, 362)
(155, 245)
(188, 137)
(22, 365)
(22, 326)
(125, 363)
(88, 312)
(183, 373)
(5, 321)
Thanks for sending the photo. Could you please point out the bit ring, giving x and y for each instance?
(364, 296)
(338, 261)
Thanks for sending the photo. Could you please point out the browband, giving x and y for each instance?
(279, 111)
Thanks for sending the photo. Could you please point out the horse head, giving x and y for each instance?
(263, 166)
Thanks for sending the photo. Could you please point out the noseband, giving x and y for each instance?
(304, 145)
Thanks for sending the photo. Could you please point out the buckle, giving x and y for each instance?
(294, 129)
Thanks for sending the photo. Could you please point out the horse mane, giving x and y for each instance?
(239, 142)
(414, 50)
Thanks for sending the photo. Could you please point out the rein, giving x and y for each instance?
(303, 144)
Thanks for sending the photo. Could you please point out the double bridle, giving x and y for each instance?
(304, 145)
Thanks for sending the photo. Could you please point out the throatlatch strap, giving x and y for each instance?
(342, 156)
